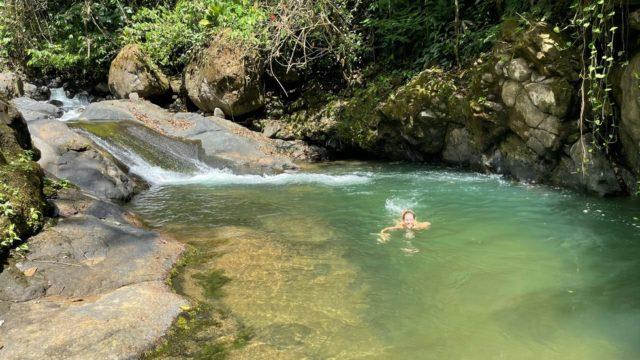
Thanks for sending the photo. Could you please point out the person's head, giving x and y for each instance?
(408, 218)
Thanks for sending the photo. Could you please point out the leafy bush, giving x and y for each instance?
(64, 36)
(171, 35)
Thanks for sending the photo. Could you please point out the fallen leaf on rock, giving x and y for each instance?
(30, 271)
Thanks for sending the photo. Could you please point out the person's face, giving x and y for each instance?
(409, 220)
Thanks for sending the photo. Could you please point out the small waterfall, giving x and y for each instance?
(71, 107)
(162, 160)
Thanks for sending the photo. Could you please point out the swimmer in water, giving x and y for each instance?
(407, 222)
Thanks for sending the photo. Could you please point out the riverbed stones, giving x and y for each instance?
(518, 69)
(133, 72)
(226, 76)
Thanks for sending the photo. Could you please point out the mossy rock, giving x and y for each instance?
(22, 203)
(132, 71)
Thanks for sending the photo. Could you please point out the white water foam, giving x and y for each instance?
(205, 174)
(71, 107)
(395, 205)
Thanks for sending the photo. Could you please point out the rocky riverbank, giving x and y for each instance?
(91, 266)
(516, 111)
(92, 282)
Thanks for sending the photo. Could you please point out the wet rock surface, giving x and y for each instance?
(21, 179)
(630, 113)
(71, 156)
(223, 143)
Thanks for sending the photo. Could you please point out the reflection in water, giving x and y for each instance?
(507, 271)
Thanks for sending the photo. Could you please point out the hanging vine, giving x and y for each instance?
(596, 30)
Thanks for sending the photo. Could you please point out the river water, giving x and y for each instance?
(507, 271)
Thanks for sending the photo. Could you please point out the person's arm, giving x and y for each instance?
(384, 235)
(396, 227)
(423, 225)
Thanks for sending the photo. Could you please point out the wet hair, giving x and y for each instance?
(408, 211)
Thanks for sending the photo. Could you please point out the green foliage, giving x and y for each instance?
(8, 234)
(65, 36)
(171, 35)
(52, 186)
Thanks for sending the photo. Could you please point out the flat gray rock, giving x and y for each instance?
(224, 143)
(104, 112)
(33, 110)
(91, 287)
(120, 324)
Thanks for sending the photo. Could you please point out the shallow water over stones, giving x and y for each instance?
(507, 270)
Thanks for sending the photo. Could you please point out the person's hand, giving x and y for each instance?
(384, 237)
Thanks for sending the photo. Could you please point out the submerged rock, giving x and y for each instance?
(225, 76)
(133, 72)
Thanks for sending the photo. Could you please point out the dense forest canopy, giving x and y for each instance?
(71, 36)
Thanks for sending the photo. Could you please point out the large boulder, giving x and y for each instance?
(225, 76)
(35, 92)
(71, 156)
(584, 167)
(519, 161)
(461, 149)
(222, 142)
(630, 113)
(418, 114)
(537, 106)
(21, 179)
(10, 85)
(133, 72)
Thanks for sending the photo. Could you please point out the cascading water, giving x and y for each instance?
(162, 161)
(71, 107)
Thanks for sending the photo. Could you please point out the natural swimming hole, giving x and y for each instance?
(506, 270)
